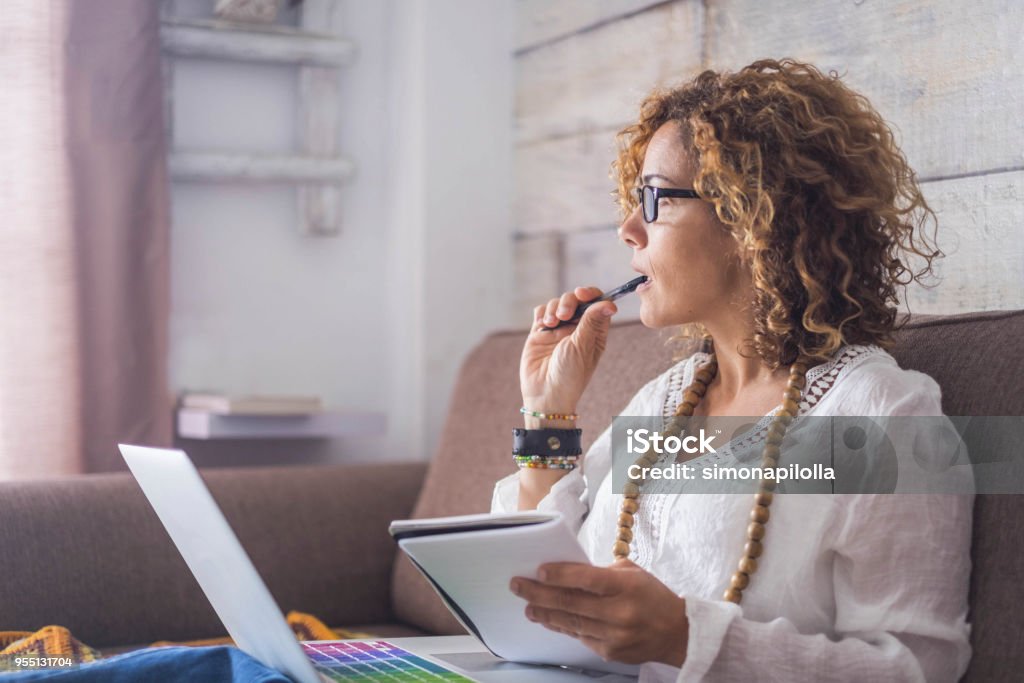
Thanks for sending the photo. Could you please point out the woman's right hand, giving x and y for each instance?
(557, 365)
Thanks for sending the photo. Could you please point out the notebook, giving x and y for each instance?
(471, 559)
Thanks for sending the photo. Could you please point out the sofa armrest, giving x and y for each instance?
(89, 553)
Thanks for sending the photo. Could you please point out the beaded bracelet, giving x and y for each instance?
(547, 466)
(544, 462)
(546, 416)
(546, 458)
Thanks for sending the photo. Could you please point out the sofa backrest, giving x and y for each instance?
(973, 357)
(88, 552)
(474, 450)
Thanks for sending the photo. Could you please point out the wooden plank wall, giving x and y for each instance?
(948, 75)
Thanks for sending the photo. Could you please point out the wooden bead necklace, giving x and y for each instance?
(769, 459)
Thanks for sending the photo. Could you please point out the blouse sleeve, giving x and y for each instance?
(900, 574)
(573, 495)
(900, 577)
(566, 496)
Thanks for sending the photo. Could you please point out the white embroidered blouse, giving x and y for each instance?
(850, 587)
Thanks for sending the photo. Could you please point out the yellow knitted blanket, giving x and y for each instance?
(57, 641)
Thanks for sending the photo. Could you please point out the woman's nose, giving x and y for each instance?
(633, 230)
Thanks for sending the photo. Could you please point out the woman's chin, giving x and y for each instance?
(656, 320)
(651, 319)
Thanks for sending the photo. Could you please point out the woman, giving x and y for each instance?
(786, 254)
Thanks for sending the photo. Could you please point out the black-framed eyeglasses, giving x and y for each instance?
(648, 196)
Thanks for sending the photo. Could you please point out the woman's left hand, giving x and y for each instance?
(621, 612)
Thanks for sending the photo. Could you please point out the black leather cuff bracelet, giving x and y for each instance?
(547, 442)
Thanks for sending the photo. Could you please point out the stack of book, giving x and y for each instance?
(221, 404)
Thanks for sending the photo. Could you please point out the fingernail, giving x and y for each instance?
(531, 614)
(542, 574)
(607, 312)
(516, 587)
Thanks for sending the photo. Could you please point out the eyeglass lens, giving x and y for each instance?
(649, 203)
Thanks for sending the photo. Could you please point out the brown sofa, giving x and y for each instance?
(88, 553)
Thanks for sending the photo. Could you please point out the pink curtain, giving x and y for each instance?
(84, 269)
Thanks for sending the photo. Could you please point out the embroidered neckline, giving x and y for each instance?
(820, 379)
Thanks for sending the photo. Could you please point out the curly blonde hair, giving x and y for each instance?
(810, 181)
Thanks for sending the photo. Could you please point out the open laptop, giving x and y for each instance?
(253, 620)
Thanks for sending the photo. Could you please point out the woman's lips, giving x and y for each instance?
(646, 285)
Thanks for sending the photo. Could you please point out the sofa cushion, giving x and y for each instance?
(972, 356)
(95, 549)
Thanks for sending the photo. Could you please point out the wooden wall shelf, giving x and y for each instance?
(202, 424)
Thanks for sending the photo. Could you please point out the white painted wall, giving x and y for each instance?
(379, 317)
(452, 171)
(947, 75)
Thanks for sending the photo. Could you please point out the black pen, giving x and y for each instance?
(614, 294)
